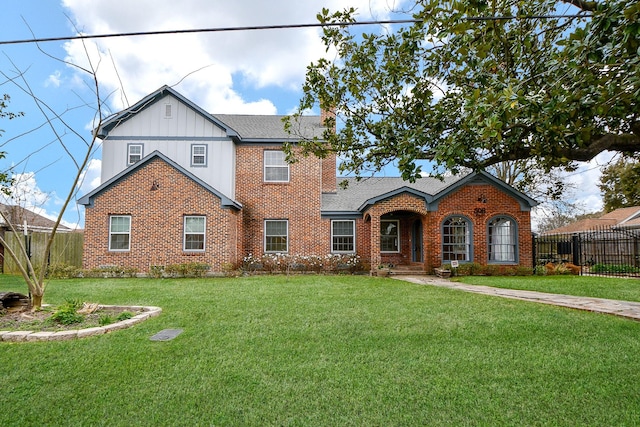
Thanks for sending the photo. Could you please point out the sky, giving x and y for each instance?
(251, 72)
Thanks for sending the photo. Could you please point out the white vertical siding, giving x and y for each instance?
(173, 137)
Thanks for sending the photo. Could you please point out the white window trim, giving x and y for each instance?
(398, 236)
(342, 235)
(111, 233)
(286, 221)
(206, 149)
(129, 162)
(265, 166)
(184, 234)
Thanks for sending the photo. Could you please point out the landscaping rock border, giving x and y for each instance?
(147, 312)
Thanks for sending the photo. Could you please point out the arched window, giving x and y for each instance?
(502, 235)
(456, 239)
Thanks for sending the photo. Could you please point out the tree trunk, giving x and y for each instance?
(36, 302)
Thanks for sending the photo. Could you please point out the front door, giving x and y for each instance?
(416, 241)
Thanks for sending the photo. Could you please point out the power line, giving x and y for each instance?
(207, 30)
(273, 27)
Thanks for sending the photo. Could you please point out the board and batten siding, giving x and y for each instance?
(173, 136)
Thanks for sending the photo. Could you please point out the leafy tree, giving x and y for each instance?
(620, 184)
(475, 83)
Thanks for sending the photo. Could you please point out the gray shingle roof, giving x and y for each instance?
(358, 193)
(259, 128)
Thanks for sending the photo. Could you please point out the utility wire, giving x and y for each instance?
(272, 27)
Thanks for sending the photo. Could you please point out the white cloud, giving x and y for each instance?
(586, 179)
(90, 177)
(216, 68)
(54, 79)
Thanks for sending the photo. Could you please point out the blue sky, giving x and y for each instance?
(246, 72)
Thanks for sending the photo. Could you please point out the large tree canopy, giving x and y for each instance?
(474, 83)
(620, 184)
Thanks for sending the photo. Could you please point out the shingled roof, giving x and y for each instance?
(250, 128)
(619, 218)
(358, 195)
(17, 215)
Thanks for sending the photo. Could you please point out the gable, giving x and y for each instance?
(164, 113)
(88, 199)
(360, 195)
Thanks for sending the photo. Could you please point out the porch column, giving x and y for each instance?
(375, 242)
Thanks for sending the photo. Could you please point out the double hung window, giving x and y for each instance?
(134, 153)
(119, 232)
(276, 168)
(198, 155)
(343, 236)
(276, 236)
(194, 233)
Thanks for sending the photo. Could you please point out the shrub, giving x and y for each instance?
(522, 271)
(188, 269)
(468, 269)
(109, 271)
(614, 268)
(124, 316)
(62, 271)
(490, 270)
(67, 314)
(105, 319)
(335, 263)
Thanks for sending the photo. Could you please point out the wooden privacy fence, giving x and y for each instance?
(66, 249)
(602, 251)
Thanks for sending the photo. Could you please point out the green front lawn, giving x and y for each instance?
(324, 350)
(587, 286)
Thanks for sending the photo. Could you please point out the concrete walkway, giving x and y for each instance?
(627, 309)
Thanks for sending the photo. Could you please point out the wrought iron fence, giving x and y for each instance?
(601, 251)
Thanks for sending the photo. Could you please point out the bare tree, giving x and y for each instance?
(35, 275)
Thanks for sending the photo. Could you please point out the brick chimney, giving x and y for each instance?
(329, 180)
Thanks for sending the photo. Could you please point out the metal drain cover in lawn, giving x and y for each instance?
(166, 334)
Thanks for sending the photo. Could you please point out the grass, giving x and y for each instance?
(327, 351)
(596, 287)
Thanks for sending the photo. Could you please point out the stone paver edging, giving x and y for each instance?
(628, 309)
(147, 312)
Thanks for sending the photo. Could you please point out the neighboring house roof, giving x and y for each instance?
(226, 201)
(619, 218)
(17, 215)
(358, 195)
(242, 128)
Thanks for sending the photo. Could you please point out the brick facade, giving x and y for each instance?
(159, 191)
(297, 201)
(157, 221)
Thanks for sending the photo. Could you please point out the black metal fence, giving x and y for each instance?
(603, 251)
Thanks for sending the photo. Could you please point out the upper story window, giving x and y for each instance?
(456, 239)
(502, 239)
(276, 236)
(389, 236)
(198, 155)
(343, 236)
(134, 153)
(119, 232)
(194, 233)
(276, 168)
